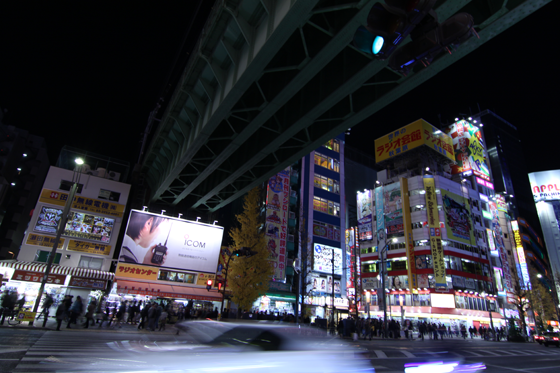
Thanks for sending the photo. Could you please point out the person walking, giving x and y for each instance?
(75, 310)
(162, 320)
(60, 314)
(152, 317)
(144, 316)
(47, 303)
(8, 305)
(89, 314)
(422, 330)
(121, 314)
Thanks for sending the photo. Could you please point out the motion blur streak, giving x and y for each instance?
(441, 367)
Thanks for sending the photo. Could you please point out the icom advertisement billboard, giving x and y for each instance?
(365, 215)
(469, 148)
(545, 185)
(412, 136)
(157, 240)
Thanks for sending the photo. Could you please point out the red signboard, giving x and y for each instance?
(89, 283)
(20, 275)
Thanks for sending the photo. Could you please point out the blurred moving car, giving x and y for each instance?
(551, 338)
(212, 346)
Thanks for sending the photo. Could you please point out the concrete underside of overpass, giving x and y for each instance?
(271, 80)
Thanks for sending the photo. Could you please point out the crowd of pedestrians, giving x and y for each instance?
(368, 328)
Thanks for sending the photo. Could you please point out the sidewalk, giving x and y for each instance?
(78, 327)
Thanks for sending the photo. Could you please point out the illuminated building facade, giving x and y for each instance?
(434, 209)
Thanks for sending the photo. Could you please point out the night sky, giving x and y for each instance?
(87, 76)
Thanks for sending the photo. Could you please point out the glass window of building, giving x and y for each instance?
(333, 145)
(90, 262)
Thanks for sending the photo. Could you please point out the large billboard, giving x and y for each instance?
(157, 240)
(277, 214)
(380, 220)
(521, 255)
(408, 238)
(365, 215)
(469, 148)
(392, 208)
(545, 185)
(412, 136)
(323, 259)
(500, 245)
(435, 233)
(457, 215)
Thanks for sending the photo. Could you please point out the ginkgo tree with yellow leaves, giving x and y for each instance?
(249, 276)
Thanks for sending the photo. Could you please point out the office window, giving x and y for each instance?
(66, 185)
(109, 195)
(326, 206)
(43, 255)
(90, 262)
(326, 162)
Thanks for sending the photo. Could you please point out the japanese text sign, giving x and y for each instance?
(54, 197)
(40, 240)
(411, 136)
(435, 233)
(89, 247)
(20, 275)
(125, 270)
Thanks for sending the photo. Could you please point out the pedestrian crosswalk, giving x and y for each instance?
(465, 353)
(71, 352)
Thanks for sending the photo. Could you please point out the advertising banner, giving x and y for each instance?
(29, 276)
(498, 279)
(412, 136)
(521, 255)
(89, 227)
(136, 271)
(92, 205)
(166, 242)
(408, 238)
(470, 152)
(491, 243)
(458, 221)
(392, 208)
(277, 214)
(45, 241)
(500, 245)
(48, 220)
(350, 247)
(202, 278)
(435, 232)
(322, 259)
(89, 247)
(380, 224)
(365, 215)
(545, 185)
(89, 283)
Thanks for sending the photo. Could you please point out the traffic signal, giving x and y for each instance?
(389, 23)
(209, 283)
(429, 41)
(220, 283)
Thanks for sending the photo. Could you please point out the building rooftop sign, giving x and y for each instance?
(414, 135)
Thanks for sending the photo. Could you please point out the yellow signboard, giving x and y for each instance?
(89, 247)
(435, 232)
(125, 270)
(409, 241)
(26, 316)
(412, 136)
(54, 197)
(203, 277)
(40, 240)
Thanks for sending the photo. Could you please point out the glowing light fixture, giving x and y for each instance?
(377, 44)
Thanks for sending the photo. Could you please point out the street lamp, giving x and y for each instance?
(62, 225)
(383, 272)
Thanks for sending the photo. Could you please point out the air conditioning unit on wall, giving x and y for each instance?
(111, 175)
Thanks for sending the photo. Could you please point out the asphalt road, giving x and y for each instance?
(389, 356)
(27, 350)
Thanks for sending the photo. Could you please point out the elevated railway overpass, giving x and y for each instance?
(271, 80)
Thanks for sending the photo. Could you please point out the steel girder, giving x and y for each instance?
(273, 80)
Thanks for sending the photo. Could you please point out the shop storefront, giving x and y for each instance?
(277, 303)
(320, 307)
(24, 278)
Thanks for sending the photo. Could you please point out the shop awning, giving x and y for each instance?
(60, 270)
(166, 291)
